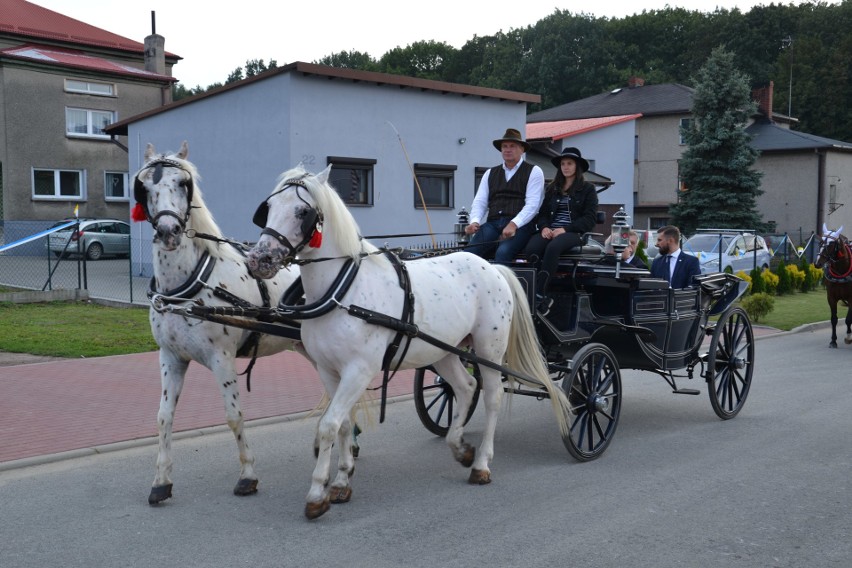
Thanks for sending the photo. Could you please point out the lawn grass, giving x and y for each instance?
(793, 310)
(74, 329)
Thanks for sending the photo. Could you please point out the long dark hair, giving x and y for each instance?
(559, 181)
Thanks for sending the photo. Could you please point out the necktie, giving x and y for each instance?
(669, 268)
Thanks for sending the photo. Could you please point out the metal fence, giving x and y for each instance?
(26, 263)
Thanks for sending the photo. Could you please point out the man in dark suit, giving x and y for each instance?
(673, 264)
(628, 255)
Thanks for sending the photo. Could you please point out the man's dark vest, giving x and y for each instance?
(506, 199)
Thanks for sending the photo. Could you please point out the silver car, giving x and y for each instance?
(96, 238)
(739, 251)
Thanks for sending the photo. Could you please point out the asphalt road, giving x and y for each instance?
(678, 487)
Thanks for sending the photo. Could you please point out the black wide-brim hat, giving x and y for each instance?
(574, 154)
(512, 135)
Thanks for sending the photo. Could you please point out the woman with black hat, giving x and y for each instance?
(569, 209)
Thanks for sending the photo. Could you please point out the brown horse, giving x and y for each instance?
(835, 258)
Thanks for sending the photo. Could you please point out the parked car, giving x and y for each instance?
(738, 250)
(100, 238)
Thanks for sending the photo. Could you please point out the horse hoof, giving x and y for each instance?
(316, 510)
(833, 345)
(847, 340)
(245, 487)
(355, 451)
(479, 477)
(159, 493)
(340, 494)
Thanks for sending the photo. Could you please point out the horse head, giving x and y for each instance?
(163, 189)
(834, 248)
(291, 221)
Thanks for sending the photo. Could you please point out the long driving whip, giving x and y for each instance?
(417, 184)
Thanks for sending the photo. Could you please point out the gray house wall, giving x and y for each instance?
(243, 138)
(656, 178)
(34, 137)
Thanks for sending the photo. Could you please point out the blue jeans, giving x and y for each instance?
(487, 244)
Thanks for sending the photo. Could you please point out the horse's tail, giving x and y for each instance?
(524, 352)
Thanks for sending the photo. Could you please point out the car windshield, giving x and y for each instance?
(706, 243)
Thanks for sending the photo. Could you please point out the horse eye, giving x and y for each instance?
(302, 213)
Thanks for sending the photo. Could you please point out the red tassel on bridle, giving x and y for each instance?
(316, 239)
(137, 214)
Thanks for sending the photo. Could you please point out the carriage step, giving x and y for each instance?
(686, 391)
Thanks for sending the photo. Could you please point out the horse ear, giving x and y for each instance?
(322, 177)
(840, 230)
(184, 151)
(149, 152)
(825, 231)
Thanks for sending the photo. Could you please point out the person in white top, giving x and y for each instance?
(508, 198)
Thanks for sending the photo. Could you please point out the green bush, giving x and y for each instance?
(758, 305)
(797, 277)
(785, 281)
(757, 283)
(770, 282)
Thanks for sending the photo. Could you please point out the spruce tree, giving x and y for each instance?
(721, 188)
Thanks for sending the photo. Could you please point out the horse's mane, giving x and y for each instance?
(340, 227)
(200, 218)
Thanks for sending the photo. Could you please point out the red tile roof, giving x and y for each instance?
(77, 59)
(29, 20)
(560, 129)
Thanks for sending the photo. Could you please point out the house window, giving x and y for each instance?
(658, 222)
(685, 124)
(352, 178)
(436, 183)
(81, 122)
(478, 172)
(115, 186)
(58, 184)
(90, 88)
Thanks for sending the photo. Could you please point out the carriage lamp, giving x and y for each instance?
(462, 238)
(620, 231)
(620, 237)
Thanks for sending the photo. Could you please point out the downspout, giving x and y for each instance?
(820, 189)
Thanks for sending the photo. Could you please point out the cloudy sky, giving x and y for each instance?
(213, 41)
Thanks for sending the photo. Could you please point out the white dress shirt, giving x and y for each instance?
(532, 201)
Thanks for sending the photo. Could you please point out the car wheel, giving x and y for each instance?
(95, 251)
(729, 270)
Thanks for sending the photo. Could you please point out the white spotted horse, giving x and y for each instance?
(193, 262)
(393, 314)
(835, 258)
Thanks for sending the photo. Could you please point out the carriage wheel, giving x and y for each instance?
(594, 391)
(730, 363)
(434, 400)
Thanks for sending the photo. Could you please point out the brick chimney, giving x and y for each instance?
(635, 82)
(763, 97)
(155, 50)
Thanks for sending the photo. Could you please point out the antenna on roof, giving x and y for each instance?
(153, 22)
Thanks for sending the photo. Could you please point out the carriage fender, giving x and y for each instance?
(605, 326)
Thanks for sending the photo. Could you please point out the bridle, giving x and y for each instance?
(311, 217)
(141, 194)
(841, 250)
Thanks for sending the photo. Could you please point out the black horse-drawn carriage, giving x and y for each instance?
(606, 318)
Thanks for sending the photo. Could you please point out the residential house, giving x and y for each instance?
(803, 174)
(377, 131)
(61, 82)
(606, 142)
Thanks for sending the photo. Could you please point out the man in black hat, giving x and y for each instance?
(506, 203)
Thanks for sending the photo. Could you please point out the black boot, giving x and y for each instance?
(543, 302)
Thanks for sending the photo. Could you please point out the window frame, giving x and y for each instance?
(365, 165)
(57, 185)
(124, 180)
(88, 88)
(438, 171)
(683, 123)
(90, 124)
